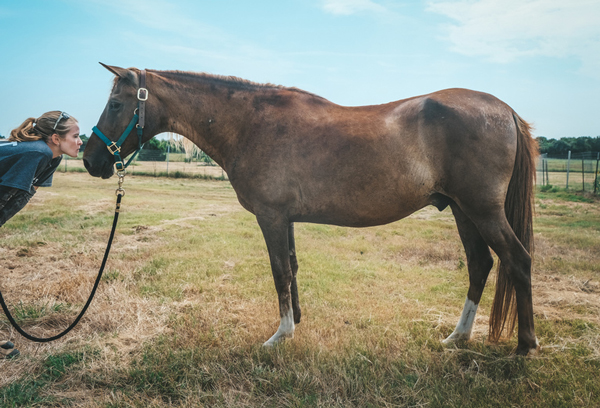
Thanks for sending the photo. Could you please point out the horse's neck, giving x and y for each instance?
(205, 115)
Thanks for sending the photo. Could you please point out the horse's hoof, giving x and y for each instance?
(277, 338)
(271, 344)
(456, 338)
(529, 351)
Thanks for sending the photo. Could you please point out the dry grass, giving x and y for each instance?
(187, 299)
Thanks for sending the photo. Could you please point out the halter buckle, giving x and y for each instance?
(142, 94)
(113, 148)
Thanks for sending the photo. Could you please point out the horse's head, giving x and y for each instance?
(118, 114)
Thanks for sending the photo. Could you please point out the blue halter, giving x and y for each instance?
(138, 121)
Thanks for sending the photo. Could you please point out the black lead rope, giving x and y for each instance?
(120, 193)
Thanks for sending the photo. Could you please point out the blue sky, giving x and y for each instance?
(542, 57)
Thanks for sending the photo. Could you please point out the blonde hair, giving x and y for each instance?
(42, 128)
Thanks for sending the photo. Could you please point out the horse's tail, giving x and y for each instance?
(519, 213)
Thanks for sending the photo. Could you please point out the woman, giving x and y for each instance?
(28, 161)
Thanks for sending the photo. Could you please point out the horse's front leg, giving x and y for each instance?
(275, 229)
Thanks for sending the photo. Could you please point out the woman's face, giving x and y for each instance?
(71, 142)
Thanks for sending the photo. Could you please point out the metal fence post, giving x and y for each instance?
(543, 173)
(168, 151)
(568, 165)
(582, 173)
(596, 178)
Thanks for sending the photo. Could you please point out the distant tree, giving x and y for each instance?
(156, 144)
(563, 145)
(84, 139)
(583, 144)
(543, 143)
(154, 150)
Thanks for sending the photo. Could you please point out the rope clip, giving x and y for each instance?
(120, 191)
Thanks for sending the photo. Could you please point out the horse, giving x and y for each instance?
(295, 157)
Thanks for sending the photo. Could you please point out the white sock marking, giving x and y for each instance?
(286, 329)
(464, 327)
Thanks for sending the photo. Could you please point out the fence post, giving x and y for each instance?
(596, 178)
(543, 174)
(544, 169)
(168, 151)
(547, 175)
(582, 173)
(568, 166)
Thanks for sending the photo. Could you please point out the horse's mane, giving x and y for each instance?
(229, 81)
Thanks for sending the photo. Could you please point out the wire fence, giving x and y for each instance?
(159, 164)
(575, 171)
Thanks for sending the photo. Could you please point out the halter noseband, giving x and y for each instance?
(138, 120)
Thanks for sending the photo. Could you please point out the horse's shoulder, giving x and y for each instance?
(455, 102)
(433, 106)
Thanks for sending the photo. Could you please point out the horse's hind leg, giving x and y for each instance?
(498, 234)
(294, 265)
(275, 229)
(479, 263)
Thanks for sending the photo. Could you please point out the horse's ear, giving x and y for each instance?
(122, 73)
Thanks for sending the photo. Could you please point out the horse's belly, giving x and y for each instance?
(360, 209)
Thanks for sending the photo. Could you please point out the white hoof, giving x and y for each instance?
(534, 352)
(277, 338)
(456, 337)
(285, 331)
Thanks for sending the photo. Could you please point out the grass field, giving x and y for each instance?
(187, 300)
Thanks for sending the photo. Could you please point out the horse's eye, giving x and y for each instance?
(114, 106)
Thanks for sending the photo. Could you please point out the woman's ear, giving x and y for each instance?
(55, 138)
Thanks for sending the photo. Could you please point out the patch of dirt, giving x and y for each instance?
(566, 298)
(430, 212)
(95, 207)
(59, 277)
(202, 214)
(574, 205)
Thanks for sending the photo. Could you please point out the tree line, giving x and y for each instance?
(563, 145)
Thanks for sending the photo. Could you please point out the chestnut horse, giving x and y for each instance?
(292, 156)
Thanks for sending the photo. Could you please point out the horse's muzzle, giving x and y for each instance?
(104, 169)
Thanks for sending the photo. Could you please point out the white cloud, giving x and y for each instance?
(505, 30)
(348, 7)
